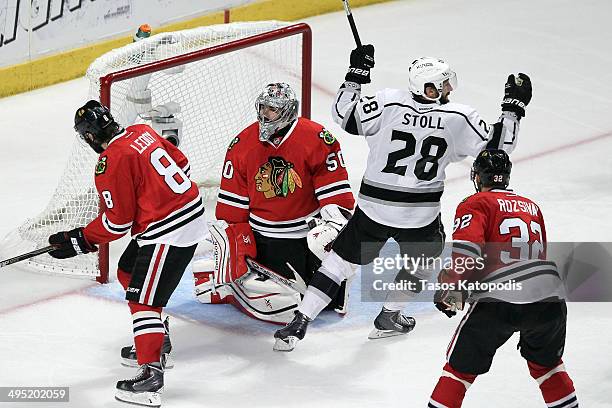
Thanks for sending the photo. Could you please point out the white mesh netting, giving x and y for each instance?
(216, 97)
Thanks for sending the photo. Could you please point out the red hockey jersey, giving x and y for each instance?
(505, 232)
(144, 186)
(277, 185)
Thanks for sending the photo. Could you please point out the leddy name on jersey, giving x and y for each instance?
(424, 121)
(142, 142)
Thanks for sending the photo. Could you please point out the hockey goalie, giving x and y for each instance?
(284, 196)
(225, 271)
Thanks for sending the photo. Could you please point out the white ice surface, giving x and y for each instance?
(60, 331)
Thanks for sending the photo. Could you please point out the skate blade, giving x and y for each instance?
(381, 334)
(147, 399)
(285, 345)
(128, 362)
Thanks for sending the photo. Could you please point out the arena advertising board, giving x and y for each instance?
(36, 28)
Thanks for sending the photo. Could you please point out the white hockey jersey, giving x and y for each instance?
(411, 144)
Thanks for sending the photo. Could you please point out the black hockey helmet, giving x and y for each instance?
(493, 168)
(95, 124)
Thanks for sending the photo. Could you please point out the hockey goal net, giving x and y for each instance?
(213, 74)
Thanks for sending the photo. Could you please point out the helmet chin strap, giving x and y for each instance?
(436, 100)
(477, 184)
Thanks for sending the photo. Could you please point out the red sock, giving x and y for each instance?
(124, 278)
(148, 332)
(555, 384)
(450, 389)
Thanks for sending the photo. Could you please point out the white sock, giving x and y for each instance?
(394, 305)
(396, 300)
(312, 304)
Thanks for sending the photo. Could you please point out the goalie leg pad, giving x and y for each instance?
(233, 242)
(206, 289)
(220, 259)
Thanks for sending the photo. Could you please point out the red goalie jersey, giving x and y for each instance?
(506, 233)
(144, 186)
(277, 185)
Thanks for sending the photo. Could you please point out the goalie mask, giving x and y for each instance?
(428, 71)
(493, 169)
(95, 124)
(276, 108)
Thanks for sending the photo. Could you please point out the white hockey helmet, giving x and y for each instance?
(429, 70)
(282, 98)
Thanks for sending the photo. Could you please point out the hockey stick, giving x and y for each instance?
(27, 255)
(298, 285)
(349, 16)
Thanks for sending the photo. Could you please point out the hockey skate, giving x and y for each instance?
(391, 323)
(128, 353)
(144, 389)
(288, 336)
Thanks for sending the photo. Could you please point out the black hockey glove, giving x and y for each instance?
(362, 60)
(443, 307)
(449, 301)
(517, 94)
(69, 244)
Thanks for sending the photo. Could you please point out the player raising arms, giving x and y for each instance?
(412, 135)
(278, 173)
(507, 232)
(144, 187)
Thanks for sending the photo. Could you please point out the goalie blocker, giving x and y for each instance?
(225, 271)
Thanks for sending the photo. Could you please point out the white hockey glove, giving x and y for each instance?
(324, 230)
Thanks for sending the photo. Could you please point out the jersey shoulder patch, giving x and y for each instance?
(475, 200)
(246, 140)
(233, 143)
(101, 165)
(327, 137)
(466, 198)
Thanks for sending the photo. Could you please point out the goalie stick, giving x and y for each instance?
(27, 255)
(298, 285)
(351, 20)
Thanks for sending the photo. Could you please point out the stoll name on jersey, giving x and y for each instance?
(424, 121)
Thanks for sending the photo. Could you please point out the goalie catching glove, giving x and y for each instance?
(70, 243)
(324, 230)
